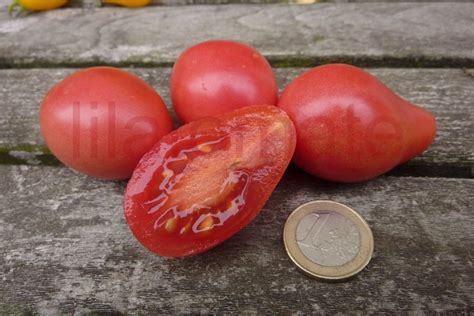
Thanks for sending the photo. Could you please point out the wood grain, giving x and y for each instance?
(447, 93)
(407, 34)
(64, 248)
(94, 3)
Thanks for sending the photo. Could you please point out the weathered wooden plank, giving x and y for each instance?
(94, 3)
(448, 93)
(64, 247)
(413, 34)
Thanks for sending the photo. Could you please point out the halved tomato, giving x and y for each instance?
(205, 181)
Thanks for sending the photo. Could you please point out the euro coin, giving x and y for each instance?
(328, 240)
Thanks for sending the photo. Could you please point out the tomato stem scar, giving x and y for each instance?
(13, 5)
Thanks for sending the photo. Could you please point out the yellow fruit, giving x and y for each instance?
(128, 3)
(37, 5)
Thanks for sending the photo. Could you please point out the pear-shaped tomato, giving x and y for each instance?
(205, 181)
(350, 127)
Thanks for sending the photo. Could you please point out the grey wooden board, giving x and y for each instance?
(448, 93)
(414, 34)
(93, 3)
(65, 247)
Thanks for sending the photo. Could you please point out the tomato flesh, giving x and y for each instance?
(205, 181)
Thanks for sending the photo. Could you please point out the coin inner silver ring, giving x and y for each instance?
(328, 238)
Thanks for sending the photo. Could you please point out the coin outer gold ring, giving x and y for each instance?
(347, 270)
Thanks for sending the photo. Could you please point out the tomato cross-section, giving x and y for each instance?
(205, 181)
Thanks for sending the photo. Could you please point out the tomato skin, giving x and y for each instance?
(216, 77)
(101, 120)
(350, 126)
(208, 179)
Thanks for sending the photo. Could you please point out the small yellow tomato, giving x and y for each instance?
(128, 3)
(37, 5)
